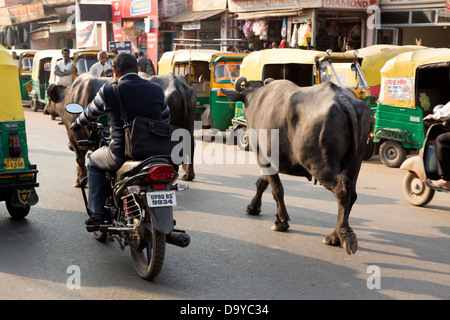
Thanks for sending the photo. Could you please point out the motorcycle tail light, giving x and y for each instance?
(160, 172)
(14, 145)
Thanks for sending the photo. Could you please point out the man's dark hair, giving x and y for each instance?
(125, 63)
(65, 49)
(141, 53)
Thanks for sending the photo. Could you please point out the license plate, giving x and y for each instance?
(14, 163)
(161, 199)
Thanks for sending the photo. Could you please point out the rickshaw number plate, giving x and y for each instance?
(14, 163)
(161, 199)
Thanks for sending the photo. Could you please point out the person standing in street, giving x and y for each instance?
(64, 69)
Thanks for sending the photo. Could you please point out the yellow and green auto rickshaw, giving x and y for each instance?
(25, 69)
(304, 68)
(207, 71)
(40, 77)
(18, 178)
(412, 83)
(44, 76)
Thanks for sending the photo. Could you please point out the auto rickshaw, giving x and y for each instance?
(83, 60)
(207, 71)
(304, 68)
(25, 69)
(411, 84)
(40, 77)
(18, 178)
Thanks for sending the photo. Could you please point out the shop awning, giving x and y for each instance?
(190, 16)
(267, 14)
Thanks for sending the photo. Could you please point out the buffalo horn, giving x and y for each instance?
(239, 85)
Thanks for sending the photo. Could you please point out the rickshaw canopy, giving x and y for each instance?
(10, 97)
(168, 59)
(374, 58)
(253, 65)
(399, 75)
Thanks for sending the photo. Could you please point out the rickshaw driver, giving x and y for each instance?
(64, 69)
(442, 150)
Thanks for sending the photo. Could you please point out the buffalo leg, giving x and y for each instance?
(343, 235)
(189, 167)
(81, 167)
(254, 208)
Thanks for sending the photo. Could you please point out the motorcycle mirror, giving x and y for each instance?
(74, 108)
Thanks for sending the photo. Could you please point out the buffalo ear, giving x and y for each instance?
(53, 92)
(233, 95)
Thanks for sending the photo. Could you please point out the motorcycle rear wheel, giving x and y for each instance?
(148, 258)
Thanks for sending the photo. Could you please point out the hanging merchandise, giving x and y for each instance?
(333, 29)
(257, 27)
(355, 32)
(248, 28)
(294, 37)
(304, 32)
(264, 29)
(284, 28)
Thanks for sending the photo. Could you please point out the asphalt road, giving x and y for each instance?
(403, 250)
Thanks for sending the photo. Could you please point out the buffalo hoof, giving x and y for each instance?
(347, 240)
(77, 185)
(280, 226)
(188, 177)
(253, 211)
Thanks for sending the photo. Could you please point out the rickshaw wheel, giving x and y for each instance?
(392, 153)
(17, 212)
(34, 105)
(242, 139)
(416, 192)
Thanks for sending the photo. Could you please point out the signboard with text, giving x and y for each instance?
(120, 46)
(349, 4)
(256, 5)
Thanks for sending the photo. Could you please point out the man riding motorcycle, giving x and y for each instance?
(139, 97)
(442, 150)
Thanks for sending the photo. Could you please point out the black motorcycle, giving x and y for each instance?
(139, 204)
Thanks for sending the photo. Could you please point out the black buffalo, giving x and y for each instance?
(82, 91)
(322, 133)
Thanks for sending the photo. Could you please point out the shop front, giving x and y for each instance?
(306, 24)
(408, 22)
(136, 22)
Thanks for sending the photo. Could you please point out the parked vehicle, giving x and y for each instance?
(40, 77)
(207, 71)
(25, 69)
(423, 167)
(18, 177)
(140, 198)
(44, 76)
(411, 83)
(304, 68)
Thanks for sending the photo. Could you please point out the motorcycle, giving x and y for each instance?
(423, 167)
(139, 204)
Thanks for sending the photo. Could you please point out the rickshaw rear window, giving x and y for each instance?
(197, 68)
(27, 63)
(300, 74)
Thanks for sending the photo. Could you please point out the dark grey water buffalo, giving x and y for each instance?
(82, 91)
(182, 100)
(322, 131)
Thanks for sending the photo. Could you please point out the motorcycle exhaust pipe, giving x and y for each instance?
(178, 238)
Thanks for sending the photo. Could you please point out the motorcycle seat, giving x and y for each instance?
(126, 167)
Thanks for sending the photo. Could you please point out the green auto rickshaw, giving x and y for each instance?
(18, 178)
(412, 83)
